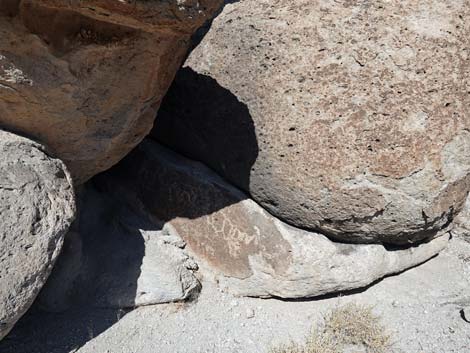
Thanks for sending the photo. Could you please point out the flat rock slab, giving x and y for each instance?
(87, 80)
(37, 206)
(119, 258)
(350, 118)
(248, 251)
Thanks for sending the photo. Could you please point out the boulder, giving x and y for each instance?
(348, 118)
(37, 206)
(87, 80)
(237, 243)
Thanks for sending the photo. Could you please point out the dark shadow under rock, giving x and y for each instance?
(209, 122)
(126, 259)
(43, 332)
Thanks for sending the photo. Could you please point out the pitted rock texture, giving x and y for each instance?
(86, 77)
(236, 242)
(37, 206)
(359, 111)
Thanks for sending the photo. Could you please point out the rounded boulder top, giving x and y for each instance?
(360, 111)
(87, 77)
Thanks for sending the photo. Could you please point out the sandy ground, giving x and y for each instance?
(420, 307)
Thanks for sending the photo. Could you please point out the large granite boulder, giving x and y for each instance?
(86, 77)
(236, 242)
(37, 206)
(350, 118)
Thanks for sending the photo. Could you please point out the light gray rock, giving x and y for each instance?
(126, 259)
(349, 118)
(37, 206)
(167, 272)
(236, 242)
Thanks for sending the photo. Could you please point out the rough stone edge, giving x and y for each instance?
(58, 240)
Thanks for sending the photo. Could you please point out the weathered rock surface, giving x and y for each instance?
(37, 205)
(462, 222)
(121, 259)
(249, 251)
(352, 116)
(87, 80)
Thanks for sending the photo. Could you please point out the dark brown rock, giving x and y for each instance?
(87, 80)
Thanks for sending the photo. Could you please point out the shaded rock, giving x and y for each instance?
(37, 206)
(87, 80)
(126, 259)
(361, 132)
(462, 222)
(59, 292)
(248, 251)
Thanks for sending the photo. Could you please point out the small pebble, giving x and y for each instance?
(466, 313)
(250, 313)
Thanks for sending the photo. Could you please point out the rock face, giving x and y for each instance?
(87, 80)
(37, 206)
(248, 251)
(118, 257)
(462, 222)
(349, 122)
